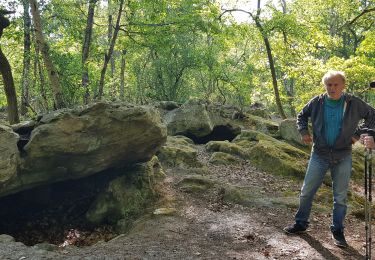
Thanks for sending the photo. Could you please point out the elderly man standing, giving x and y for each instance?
(335, 116)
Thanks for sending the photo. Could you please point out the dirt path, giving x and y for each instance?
(206, 227)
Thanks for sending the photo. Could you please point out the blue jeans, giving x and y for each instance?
(340, 174)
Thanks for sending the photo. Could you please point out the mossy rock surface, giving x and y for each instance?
(265, 152)
(289, 132)
(226, 147)
(194, 184)
(279, 158)
(358, 157)
(165, 211)
(250, 196)
(179, 151)
(272, 155)
(126, 196)
(253, 136)
(4, 238)
(357, 205)
(258, 123)
(220, 158)
(242, 195)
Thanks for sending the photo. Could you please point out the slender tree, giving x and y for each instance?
(110, 34)
(109, 53)
(44, 48)
(39, 76)
(288, 82)
(26, 58)
(267, 43)
(258, 23)
(86, 49)
(122, 75)
(6, 73)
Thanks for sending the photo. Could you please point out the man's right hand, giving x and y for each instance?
(369, 142)
(307, 139)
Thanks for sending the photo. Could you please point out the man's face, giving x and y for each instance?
(334, 87)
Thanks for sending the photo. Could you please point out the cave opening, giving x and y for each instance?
(219, 133)
(55, 213)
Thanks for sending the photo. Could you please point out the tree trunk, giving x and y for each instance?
(274, 79)
(10, 91)
(110, 32)
(288, 82)
(86, 50)
(284, 7)
(44, 48)
(6, 72)
(38, 73)
(107, 57)
(26, 58)
(122, 76)
(272, 66)
(289, 89)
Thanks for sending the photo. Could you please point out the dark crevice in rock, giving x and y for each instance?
(24, 131)
(48, 213)
(219, 133)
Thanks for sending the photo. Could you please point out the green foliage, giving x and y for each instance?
(184, 49)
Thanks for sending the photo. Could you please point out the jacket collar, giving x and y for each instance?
(347, 97)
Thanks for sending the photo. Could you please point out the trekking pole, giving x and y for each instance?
(368, 201)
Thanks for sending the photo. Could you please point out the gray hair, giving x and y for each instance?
(333, 73)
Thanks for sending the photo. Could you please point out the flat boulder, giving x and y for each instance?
(201, 122)
(74, 143)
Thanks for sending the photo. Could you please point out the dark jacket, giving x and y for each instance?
(354, 111)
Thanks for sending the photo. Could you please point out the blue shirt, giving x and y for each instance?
(333, 114)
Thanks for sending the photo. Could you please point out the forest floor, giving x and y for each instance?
(204, 226)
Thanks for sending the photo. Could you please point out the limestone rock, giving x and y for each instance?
(289, 132)
(189, 119)
(193, 184)
(164, 211)
(223, 158)
(178, 151)
(71, 144)
(266, 153)
(126, 196)
(226, 147)
(4, 238)
(260, 124)
(198, 121)
(9, 154)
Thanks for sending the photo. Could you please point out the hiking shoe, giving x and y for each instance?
(295, 229)
(339, 238)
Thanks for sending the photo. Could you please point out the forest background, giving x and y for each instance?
(141, 51)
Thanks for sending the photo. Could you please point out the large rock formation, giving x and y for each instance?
(71, 144)
(126, 197)
(201, 122)
(264, 152)
(179, 151)
(9, 155)
(289, 132)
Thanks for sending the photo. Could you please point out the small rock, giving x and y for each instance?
(164, 211)
(4, 238)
